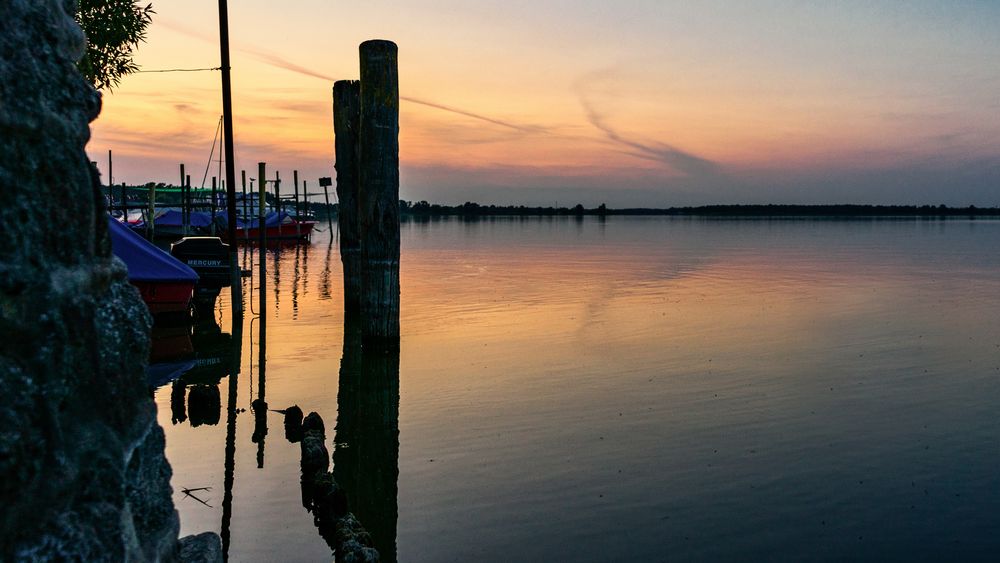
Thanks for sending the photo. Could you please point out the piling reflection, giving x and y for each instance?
(366, 453)
(229, 475)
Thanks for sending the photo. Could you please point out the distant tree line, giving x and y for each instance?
(475, 209)
(168, 194)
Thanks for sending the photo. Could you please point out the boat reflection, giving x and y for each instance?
(193, 358)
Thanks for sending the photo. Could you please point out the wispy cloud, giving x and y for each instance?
(682, 161)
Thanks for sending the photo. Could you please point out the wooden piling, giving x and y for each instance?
(305, 199)
(295, 182)
(185, 220)
(378, 142)
(325, 184)
(346, 119)
(243, 178)
(150, 226)
(277, 191)
(215, 191)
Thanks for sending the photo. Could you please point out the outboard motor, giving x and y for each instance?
(209, 257)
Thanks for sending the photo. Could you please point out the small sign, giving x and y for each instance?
(324, 182)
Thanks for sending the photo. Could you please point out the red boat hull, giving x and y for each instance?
(290, 231)
(166, 297)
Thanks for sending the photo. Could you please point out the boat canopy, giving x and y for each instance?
(146, 262)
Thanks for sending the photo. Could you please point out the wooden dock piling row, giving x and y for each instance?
(322, 495)
(369, 152)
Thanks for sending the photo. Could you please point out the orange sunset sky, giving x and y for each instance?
(632, 103)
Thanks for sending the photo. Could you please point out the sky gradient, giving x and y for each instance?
(630, 103)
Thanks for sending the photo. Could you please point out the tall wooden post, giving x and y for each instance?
(184, 209)
(305, 198)
(295, 182)
(190, 200)
(378, 142)
(325, 183)
(243, 178)
(215, 189)
(150, 224)
(346, 119)
(261, 254)
(277, 191)
(236, 282)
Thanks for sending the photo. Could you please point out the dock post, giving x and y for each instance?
(243, 177)
(184, 210)
(305, 198)
(150, 226)
(378, 144)
(190, 200)
(261, 236)
(215, 192)
(295, 182)
(346, 117)
(329, 210)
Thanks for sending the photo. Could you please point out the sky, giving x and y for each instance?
(555, 102)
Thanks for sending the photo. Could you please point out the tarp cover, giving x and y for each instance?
(275, 218)
(146, 262)
(174, 218)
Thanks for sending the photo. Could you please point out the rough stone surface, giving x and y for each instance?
(202, 548)
(314, 422)
(293, 423)
(315, 457)
(82, 471)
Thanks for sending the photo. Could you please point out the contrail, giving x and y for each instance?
(280, 62)
(518, 127)
(682, 161)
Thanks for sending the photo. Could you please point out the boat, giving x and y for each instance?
(209, 258)
(278, 225)
(170, 224)
(165, 283)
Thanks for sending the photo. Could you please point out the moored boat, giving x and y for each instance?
(165, 283)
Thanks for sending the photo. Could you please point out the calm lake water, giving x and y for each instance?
(632, 389)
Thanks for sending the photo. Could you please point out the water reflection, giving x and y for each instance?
(193, 356)
(366, 453)
(727, 390)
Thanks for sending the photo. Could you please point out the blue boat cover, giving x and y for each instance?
(174, 218)
(145, 261)
(274, 219)
(223, 219)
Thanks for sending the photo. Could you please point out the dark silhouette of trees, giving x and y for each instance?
(114, 28)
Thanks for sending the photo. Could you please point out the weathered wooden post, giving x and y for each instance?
(150, 224)
(325, 183)
(190, 200)
(378, 142)
(277, 194)
(184, 211)
(305, 198)
(215, 189)
(346, 119)
(295, 181)
(243, 177)
(261, 254)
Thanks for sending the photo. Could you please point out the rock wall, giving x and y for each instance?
(82, 471)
